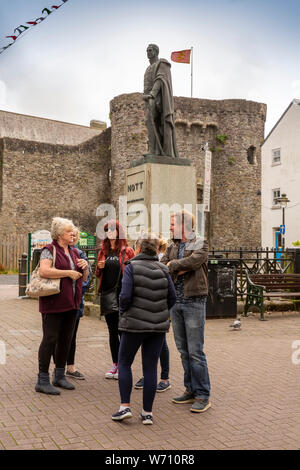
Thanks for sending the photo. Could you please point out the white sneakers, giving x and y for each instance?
(113, 372)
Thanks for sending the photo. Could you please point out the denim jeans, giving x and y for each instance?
(188, 320)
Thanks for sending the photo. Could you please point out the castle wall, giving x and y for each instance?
(235, 204)
(128, 138)
(40, 181)
(22, 126)
(236, 209)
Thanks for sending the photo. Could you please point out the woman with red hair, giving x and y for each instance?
(114, 252)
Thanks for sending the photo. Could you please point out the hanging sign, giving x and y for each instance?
(207, 180)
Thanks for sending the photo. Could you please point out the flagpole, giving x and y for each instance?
(191, 72)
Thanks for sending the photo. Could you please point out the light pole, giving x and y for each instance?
(283, 200)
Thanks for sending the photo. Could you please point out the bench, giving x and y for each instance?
(260, 286)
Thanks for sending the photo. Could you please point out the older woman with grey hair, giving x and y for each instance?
(59, 311)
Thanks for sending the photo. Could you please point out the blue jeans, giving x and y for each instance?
(188, 320)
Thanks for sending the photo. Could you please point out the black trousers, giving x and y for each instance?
(112, 320)
(58, 331)
(164, 360)
(71, 355)
(151, 348)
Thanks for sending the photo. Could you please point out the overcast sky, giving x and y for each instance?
(88, 51)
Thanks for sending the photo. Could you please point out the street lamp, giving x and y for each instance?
(283, 200)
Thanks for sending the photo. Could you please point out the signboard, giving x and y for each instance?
(40, 238)
(226, 282)
(36, 241)
(86, 239)
(282, 229)
(136, 187)
(136, 194)
(207, 180)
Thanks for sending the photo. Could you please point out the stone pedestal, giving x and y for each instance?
(154, 190)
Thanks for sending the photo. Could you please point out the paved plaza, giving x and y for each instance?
(255, 389)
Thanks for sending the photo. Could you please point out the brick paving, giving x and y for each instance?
(255, 390)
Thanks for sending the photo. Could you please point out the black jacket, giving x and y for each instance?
(147, 295)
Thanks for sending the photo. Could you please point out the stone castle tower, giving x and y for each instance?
(234, 130)
(40, 180)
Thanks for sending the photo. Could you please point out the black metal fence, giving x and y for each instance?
(255, 260)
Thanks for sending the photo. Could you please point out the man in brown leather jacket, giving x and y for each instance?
(187, 259)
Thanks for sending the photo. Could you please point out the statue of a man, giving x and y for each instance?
(158, 97)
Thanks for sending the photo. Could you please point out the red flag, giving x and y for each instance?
(181, 56)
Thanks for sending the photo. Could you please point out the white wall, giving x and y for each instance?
(285, 176)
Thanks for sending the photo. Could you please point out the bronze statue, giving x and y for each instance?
(158, 97)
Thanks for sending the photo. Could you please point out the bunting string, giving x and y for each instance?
(23, 27)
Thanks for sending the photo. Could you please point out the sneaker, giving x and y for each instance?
(186, 397)
(163, 386)
(200, 405)
(140, 384)
(147, 419)
(112, 373)
(75, 375)
(120, 415)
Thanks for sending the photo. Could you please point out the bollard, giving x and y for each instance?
(22, 274)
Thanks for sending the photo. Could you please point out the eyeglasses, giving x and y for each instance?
(110, 229)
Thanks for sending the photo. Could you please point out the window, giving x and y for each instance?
(276, 156)
(251, 155)
(275, 195)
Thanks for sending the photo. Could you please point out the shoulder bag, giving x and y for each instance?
(109, 301)
(40, 286)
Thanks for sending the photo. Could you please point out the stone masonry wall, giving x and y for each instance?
(231, 127)
(40, 181)
(128, 138)
(22, 126)
(236, 209)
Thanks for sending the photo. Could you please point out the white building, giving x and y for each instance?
(281, 175)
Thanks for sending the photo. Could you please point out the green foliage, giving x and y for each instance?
(231, 160)
(296, 243)
(212, 149)
(222, 138)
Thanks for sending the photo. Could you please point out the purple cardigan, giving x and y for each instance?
(65, 300)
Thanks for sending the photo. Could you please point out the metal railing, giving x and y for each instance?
(256, 261)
